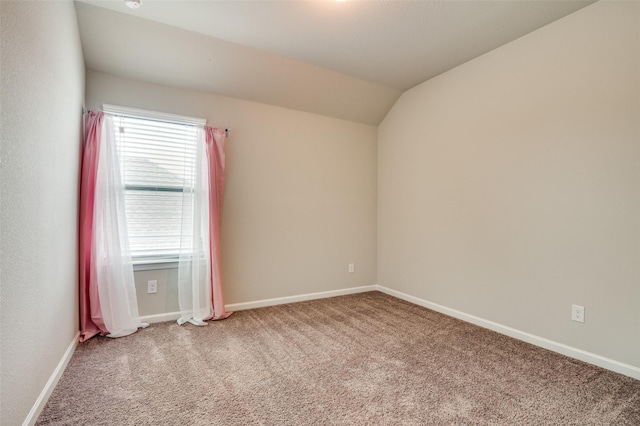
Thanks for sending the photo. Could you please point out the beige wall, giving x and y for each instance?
(42, 95)
(300, 201)
(509, 187)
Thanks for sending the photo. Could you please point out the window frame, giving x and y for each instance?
(159, 261)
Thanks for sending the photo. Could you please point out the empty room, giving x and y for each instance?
(320, 212)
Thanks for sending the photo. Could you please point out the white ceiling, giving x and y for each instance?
(349, 59)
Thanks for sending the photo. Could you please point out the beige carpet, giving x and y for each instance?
(359, 359)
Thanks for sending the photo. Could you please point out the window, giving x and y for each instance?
(157, 157)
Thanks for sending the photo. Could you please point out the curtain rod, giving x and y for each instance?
(85, 111)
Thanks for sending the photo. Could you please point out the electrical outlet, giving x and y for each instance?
(352, 268)
(152, 286)
(577, 313)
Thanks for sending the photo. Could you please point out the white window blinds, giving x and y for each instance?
(157, 159)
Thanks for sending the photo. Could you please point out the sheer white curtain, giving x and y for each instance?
(113, 269)
(194, 268)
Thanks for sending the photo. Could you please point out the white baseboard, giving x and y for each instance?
(298, 298)
(164, 317)
(579, 354)
(172, 316)
(51, 383)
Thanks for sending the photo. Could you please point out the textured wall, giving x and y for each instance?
(509, 186)
(42, 94)
(300, 200)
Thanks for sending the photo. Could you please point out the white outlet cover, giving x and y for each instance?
(577, 313)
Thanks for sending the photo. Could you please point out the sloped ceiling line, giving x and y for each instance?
(349, 60)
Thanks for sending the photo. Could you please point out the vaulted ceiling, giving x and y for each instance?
(348, 59)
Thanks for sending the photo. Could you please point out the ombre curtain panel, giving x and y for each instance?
(108, 303)
(199, 270)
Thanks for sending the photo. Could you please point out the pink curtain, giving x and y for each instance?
(215, 144)
(108, 303)
(91, 321)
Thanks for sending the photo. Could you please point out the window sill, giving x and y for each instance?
(154, 264)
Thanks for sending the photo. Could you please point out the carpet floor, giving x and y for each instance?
(360, 359)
